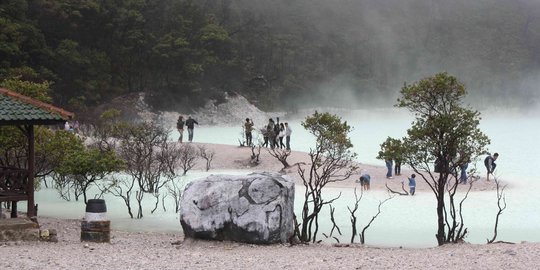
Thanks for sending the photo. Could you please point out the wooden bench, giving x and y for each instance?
(14, 187)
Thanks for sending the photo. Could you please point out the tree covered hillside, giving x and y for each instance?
(278, 53)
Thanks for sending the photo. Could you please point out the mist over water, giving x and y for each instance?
(369, 48)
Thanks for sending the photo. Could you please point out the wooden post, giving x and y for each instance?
(13, 209)
(31, 159)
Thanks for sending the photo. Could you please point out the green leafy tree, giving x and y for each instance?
(391, 149)
(81, 169)
(331, 161)
(445, 132)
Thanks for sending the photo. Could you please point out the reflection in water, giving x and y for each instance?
(404, 221)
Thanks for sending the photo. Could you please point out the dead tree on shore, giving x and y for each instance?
(188, 156)
(404, 193)
(255, 154)
(501, 204)
(363, 233)
(207, 155)
(281, 155)
(334, 224)
(353, 212)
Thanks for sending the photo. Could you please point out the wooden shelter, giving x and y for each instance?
(17, 184)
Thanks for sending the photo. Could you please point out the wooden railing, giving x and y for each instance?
(13, 183)
(14, 187)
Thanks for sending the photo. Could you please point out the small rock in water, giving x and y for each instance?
(86, 246)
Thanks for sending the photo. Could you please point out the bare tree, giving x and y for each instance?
(333, 220)
(146, 152)
(454, 224)
(281, 155)
(255, 154)
(176, 188)
(404, 193)
(501, 204)
(331, 161)
(188, 156)
(207, 155)
(353, 212)
(363, 233)
(122, 187)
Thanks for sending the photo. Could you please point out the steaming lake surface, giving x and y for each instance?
(404, 221)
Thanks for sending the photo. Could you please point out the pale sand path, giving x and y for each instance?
(237, 158)
(147, 250)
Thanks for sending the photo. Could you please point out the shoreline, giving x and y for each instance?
(138, 249)
(237, 158)
(151, 250)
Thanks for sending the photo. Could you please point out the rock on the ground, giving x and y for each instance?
(255, 208)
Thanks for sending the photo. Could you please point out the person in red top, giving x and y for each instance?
(180, 127)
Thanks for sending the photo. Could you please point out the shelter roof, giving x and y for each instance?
(17, 109)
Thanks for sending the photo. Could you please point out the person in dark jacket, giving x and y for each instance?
(190, 123)
(489, 162)
(248, 128)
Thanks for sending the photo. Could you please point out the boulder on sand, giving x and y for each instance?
(255, 208)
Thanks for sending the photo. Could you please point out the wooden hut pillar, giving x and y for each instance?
(31, 163)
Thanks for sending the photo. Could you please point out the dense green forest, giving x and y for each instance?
(280, 54)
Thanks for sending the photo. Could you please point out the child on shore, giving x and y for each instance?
(412, 184)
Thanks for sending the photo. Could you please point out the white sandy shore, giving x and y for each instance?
(129, 250)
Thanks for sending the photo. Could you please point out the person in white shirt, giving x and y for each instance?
(288, 132)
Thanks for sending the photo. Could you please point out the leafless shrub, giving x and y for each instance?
(353, 212)
(207, 155)
(188, 156)
(501, 204)
(404, 193)
(281, 155)
(363, 233)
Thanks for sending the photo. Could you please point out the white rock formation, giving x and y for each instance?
(256, 208)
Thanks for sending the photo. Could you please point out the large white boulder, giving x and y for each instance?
(255, 208)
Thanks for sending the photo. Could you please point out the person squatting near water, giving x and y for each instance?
(489, 162)
(365, 180)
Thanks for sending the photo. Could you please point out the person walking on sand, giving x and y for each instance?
(270, 133)
(180, 128)
(281, 135)
(288, 132)
(412, 184)
(463, 176)
(489, 162)
(248, 128)
(276, 133)
(190, 123)
(389, 164)
(397, 167)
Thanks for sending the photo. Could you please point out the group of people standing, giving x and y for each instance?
(274, 133)
(489, 163)
(189, 123)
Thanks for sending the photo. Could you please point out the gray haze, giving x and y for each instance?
(493, 46)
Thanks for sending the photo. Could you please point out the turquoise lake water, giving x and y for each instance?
(405, 221)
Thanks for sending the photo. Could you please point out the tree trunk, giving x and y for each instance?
(440, 212)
